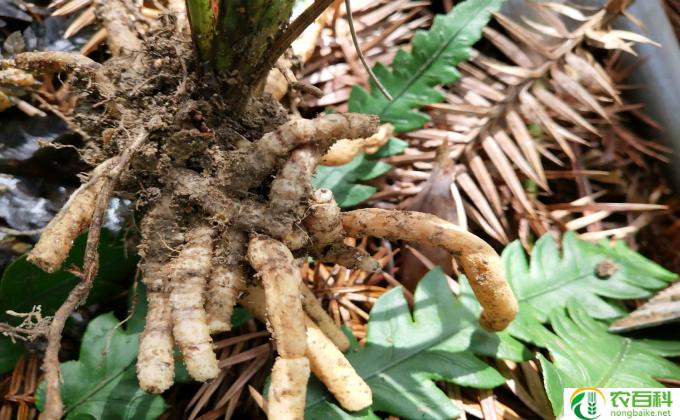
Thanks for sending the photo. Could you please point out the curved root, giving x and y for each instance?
(480, 262)
(327, 235)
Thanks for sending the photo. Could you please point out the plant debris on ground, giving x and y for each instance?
(219, 257)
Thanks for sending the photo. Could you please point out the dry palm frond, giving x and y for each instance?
(533, 110)
(19, 389)
(550, 81)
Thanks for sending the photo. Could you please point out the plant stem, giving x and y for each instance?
(202, 22)
(244, 32)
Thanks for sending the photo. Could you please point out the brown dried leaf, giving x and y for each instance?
(504, 166)
(537, 113)
(574, 89)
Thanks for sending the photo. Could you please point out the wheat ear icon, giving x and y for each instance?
(592, 403)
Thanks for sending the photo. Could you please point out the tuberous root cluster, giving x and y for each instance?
(230, 227)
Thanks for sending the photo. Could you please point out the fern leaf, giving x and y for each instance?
(588, 272)
(431, 62)
(405, 353)
(411, 83)
(102, 384)
(584, 354)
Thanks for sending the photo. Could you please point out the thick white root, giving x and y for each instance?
(331, 367)
(281, 280)
(293, 185)
(480, 262)
(326, 361)
(190, 272)
(155, 360)
(288, 389)
(227, 281)
(225, 284)
(325, 129)
(57, 238)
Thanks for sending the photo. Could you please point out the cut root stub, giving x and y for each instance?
(480, 262)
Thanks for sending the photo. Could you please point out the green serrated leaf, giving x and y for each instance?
(394, 146)
(555, 276)
(584, 354)
(412, 84)
(24, 285)
(342, 179)
(102, 384)
(405, 353)
(432, 61)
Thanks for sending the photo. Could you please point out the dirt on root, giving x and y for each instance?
(165, 91)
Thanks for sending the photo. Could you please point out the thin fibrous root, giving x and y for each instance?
(190, 271)
(227, 281)
(343, 151)
(316, 312)
(58, 236)
(288, 389)
(155, 360)
(281, 280)
(78, 295)
(326, 361)
(480, 262)
(325, 229)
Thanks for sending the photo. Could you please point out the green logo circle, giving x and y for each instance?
(585, 404)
